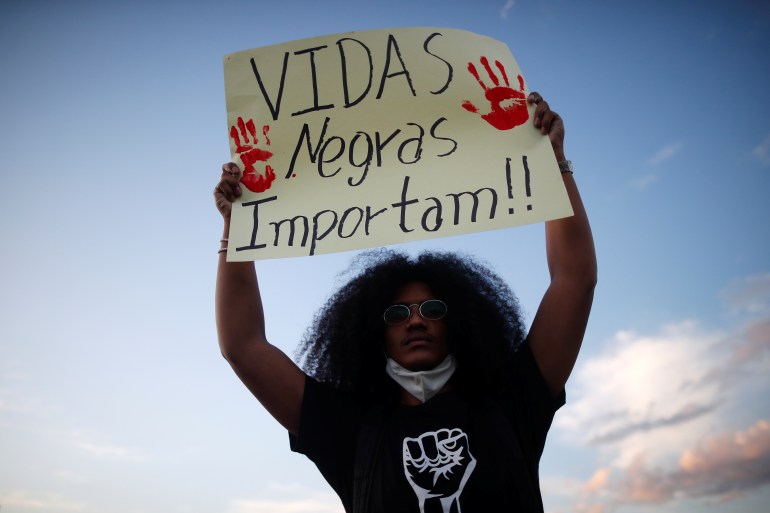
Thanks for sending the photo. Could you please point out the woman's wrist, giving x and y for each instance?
(225, 236)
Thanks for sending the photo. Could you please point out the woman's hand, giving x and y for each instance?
(548, 122)
(228, 189)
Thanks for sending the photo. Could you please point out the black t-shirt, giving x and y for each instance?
(444, 456)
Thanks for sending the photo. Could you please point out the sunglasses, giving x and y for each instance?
(431, 309)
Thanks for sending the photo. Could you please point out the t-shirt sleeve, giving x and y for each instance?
(327, 432)
(533, 404)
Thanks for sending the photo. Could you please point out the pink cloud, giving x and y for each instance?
(599, 480)
(660, 411)
(750, 347)
(728, 463)
(641, 484)
(722, 468)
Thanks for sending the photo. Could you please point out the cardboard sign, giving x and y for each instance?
(372, 138)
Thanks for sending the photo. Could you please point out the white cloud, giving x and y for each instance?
(656, 408)
(309, 505)
(642, 182)
(70, 476)
(750, 294)
(100, 450)
(289, 498)
(762, 151)
(640, 386)
(16, 500)
(666, 153)
(507, 8)
(14, 380)
(110, 451)
(748, 358)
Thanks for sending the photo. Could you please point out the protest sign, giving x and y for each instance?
(372, 138)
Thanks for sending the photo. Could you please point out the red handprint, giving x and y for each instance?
(514, 112)
(250, 154)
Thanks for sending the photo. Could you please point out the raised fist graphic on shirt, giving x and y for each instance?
(437, 465)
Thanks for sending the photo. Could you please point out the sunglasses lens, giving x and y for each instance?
(396, 314)
(433, 309)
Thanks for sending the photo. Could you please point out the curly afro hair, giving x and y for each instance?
(344, 345)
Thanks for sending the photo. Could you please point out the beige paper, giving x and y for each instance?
(380, 137)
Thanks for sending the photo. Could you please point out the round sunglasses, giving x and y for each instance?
(431, 309)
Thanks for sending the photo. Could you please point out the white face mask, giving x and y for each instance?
(422, 384)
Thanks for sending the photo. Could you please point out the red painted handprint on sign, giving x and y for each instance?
(509, 105)
(250, 154)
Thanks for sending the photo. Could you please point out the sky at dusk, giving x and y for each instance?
(114, 397)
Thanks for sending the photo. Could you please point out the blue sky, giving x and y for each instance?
(113, 395)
